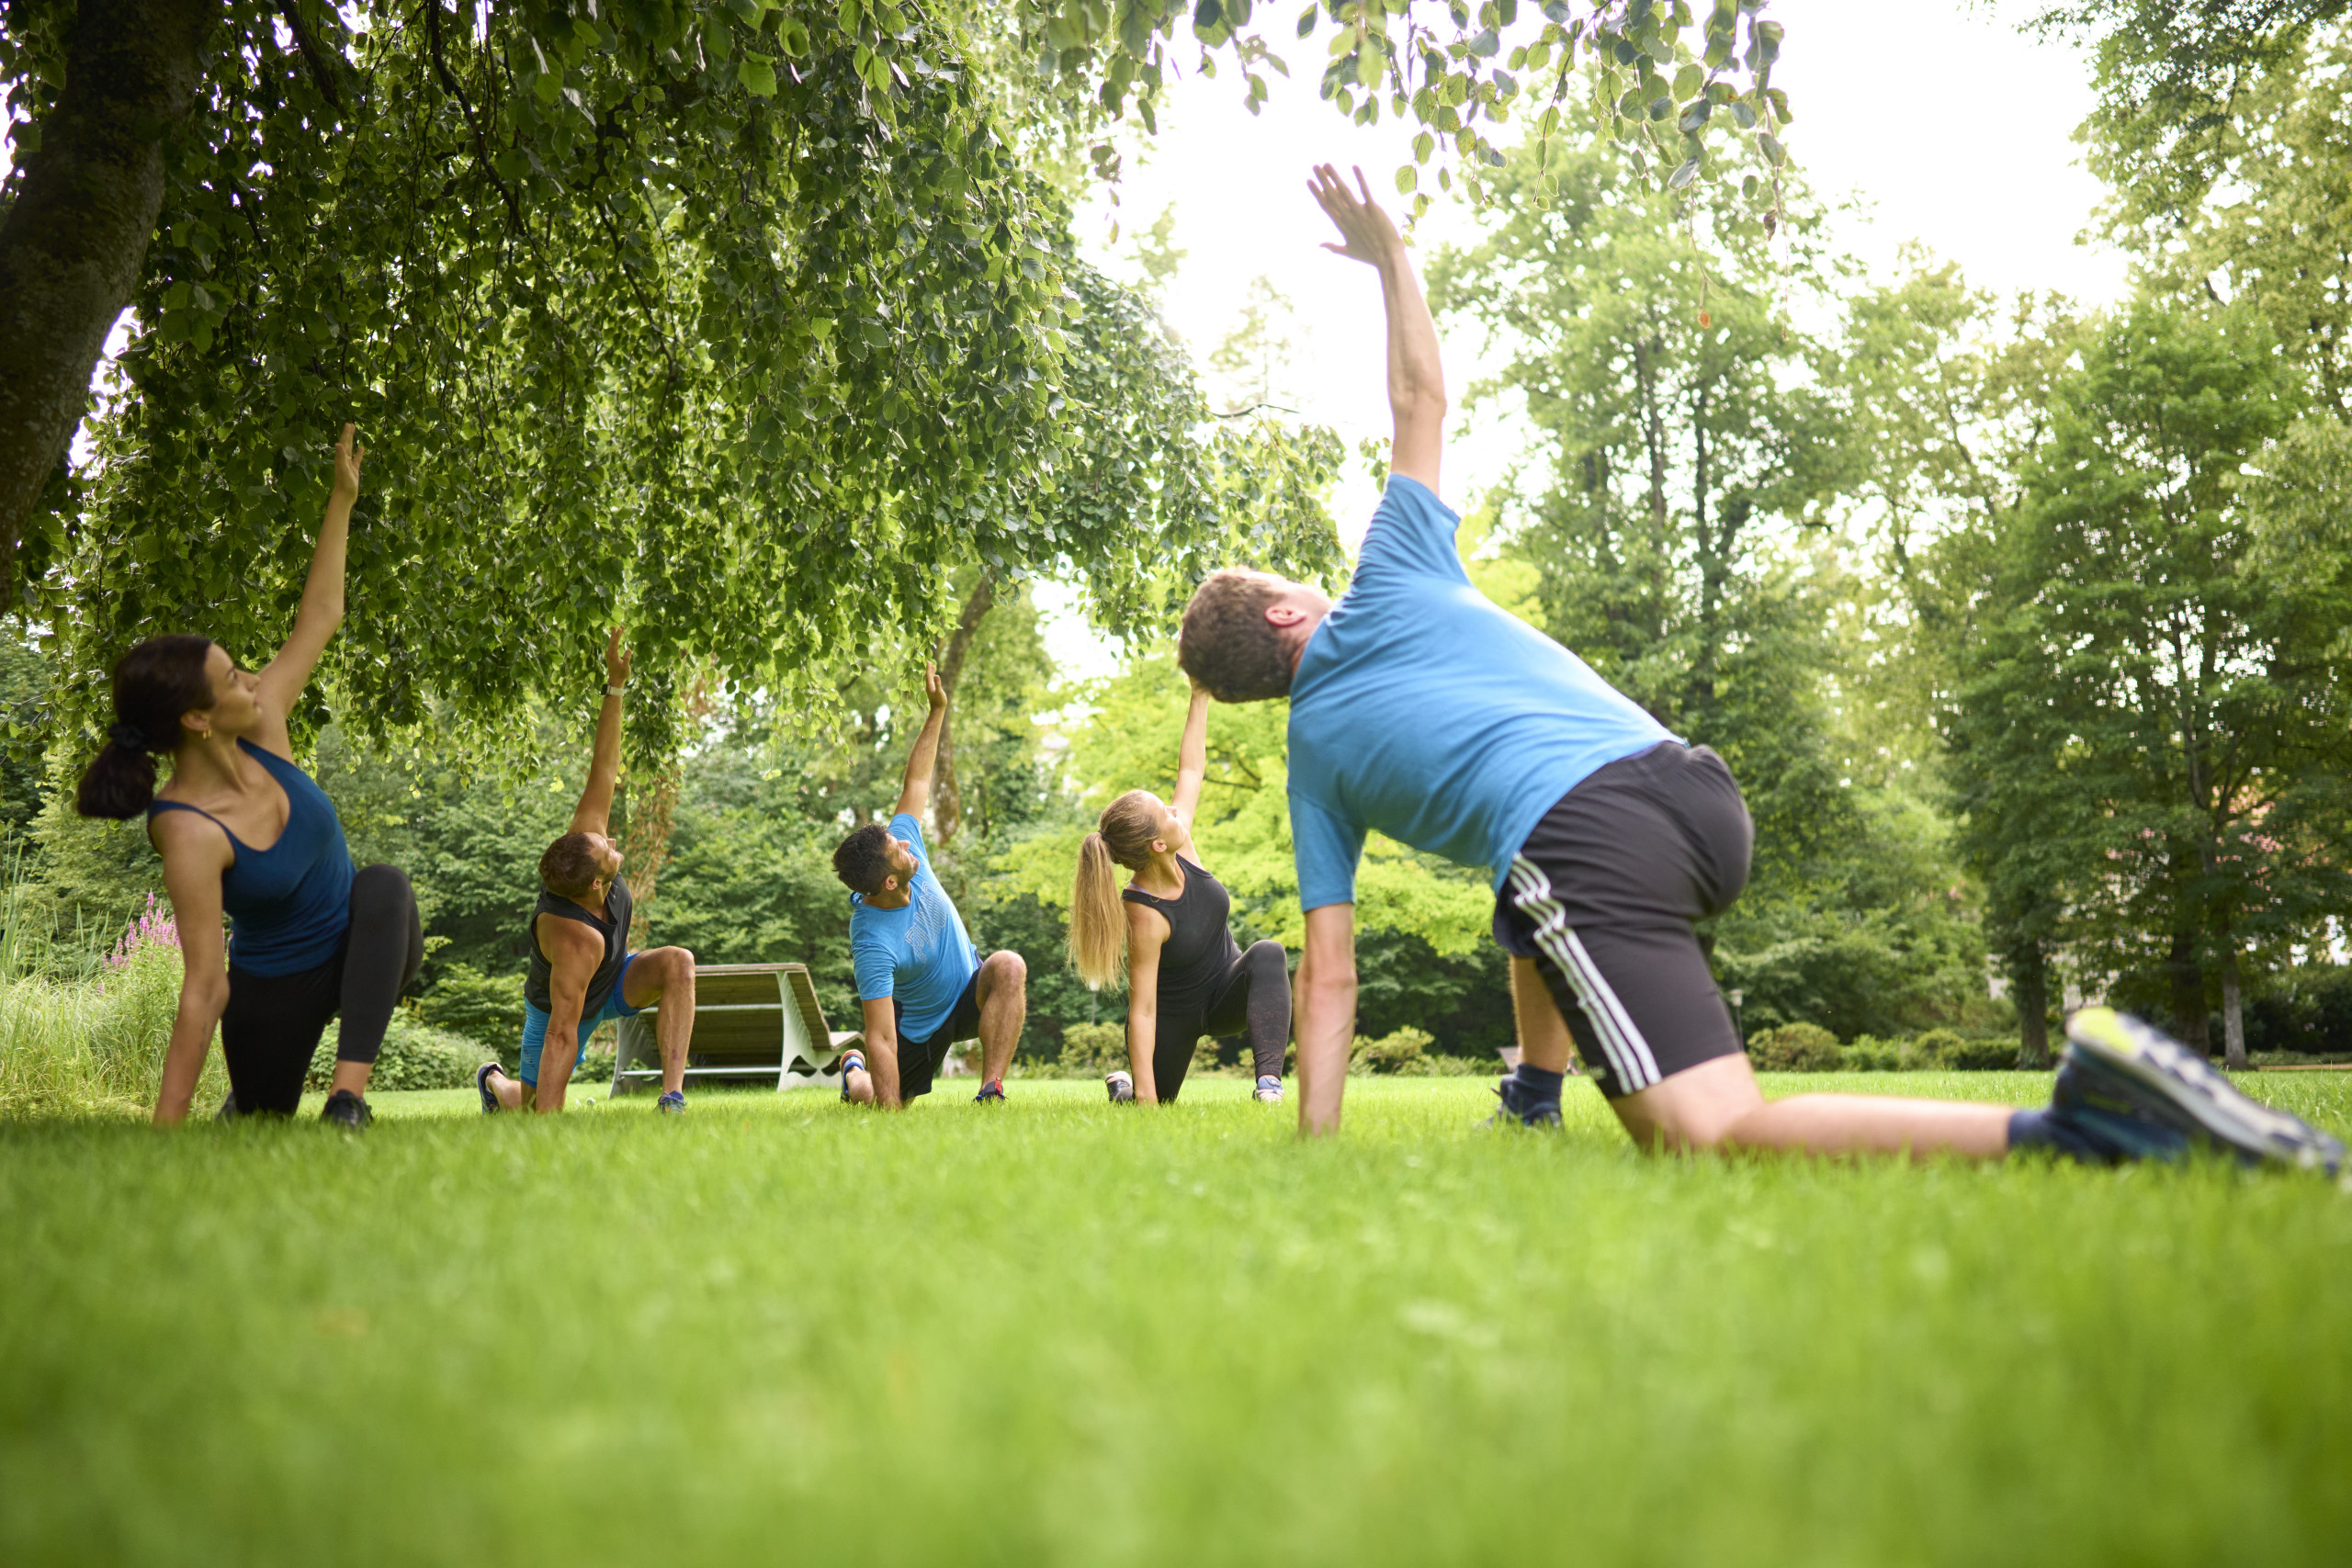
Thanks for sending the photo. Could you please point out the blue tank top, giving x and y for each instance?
(288, 905)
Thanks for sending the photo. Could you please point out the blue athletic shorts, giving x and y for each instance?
(534, 1025)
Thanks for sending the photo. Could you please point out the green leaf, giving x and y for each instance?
(1683, 175)
(756, 72)
(1207, 14)
(1772, 149)
(1306, 21)
(1409, 179)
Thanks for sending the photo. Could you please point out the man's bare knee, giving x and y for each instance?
(1007, 969)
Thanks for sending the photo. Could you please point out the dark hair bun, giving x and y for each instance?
(153, 684)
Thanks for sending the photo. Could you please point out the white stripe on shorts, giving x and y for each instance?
(1630, 1058)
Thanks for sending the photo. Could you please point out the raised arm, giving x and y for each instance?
(1416, 379)
(1190, 767)
(595, 809)
(321, 611)
(914, 793)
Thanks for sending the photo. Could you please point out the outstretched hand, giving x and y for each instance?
(349, 455)
(934, 688)
(1366, 233)
(616, 660)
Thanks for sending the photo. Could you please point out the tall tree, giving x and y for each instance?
(2149, 731)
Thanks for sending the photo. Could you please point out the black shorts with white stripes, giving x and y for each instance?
(1604, 896)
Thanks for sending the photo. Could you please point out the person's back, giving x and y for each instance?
(1423, 710)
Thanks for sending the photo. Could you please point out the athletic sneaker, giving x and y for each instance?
(992, 1092)
(1520, 1108)
(1269, 1089)
(1121, 1086)
(227, 1111)
(346, 1111)
(2155, 1099)
(672, 1103)
(490, 1106)
(852, 1062)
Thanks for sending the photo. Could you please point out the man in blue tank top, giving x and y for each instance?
(1422, 710)
(582, 972)
(922, 988)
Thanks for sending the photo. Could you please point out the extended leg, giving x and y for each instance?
(1004, 1010)
(665, 974)
(1717, 1105)
(384, 950)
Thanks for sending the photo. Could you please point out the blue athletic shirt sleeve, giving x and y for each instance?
(907, 826)
(1411, 534)
(1327, 850)
(877, 966)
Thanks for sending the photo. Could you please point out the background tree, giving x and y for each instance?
(2144, 709)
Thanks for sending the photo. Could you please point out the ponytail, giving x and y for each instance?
(1098, 926)
(153, 684)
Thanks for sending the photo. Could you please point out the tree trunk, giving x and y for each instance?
(2030, 981)
(2233, 1008)
(652, 812)
(2188, 1010)
(73, 243)
(946, 799)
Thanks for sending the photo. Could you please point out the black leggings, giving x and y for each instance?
(272, 1024)
(1254, 995)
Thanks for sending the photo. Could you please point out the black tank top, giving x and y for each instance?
(1200, 949)
(613, 927)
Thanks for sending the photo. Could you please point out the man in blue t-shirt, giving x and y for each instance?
(922, 988)
(1422, 710)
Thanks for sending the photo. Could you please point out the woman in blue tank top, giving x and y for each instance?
(245, 833)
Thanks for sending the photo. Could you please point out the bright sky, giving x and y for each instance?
(2001, 190)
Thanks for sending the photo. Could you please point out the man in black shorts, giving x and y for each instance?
(1420, 709)
(922, 988)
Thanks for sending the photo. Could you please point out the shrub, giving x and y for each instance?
(1949, 1051)
(417, 1056)
(1091, 1050)
(1404, 1052)
(1868, 1054)
(1796, 1048)
(466, 1001)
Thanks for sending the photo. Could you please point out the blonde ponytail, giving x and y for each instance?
(1098, 926)
(1098, 922)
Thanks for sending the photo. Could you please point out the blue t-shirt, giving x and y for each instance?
(1424, 710)
(919, 953)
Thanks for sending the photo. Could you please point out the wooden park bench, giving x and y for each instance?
(752, 1020)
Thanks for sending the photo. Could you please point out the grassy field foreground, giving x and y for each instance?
(783, 1331)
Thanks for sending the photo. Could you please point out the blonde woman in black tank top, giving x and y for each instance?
(1166, 933)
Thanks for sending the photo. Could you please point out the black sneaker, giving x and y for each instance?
(227, 1111)
(2157, 1099)
(490, 1106)
(1520, 1108)
(346, 1111)
(1121, 1086)
(672, 1103)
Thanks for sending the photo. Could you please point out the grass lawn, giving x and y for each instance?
(780, 1330)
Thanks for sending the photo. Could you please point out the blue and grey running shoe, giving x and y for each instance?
(991, 1093)
(672, 1103)
(1520, 1108)
(490, 1106)
(2155, 1099)
(852, 1062)
(1269, 1091)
